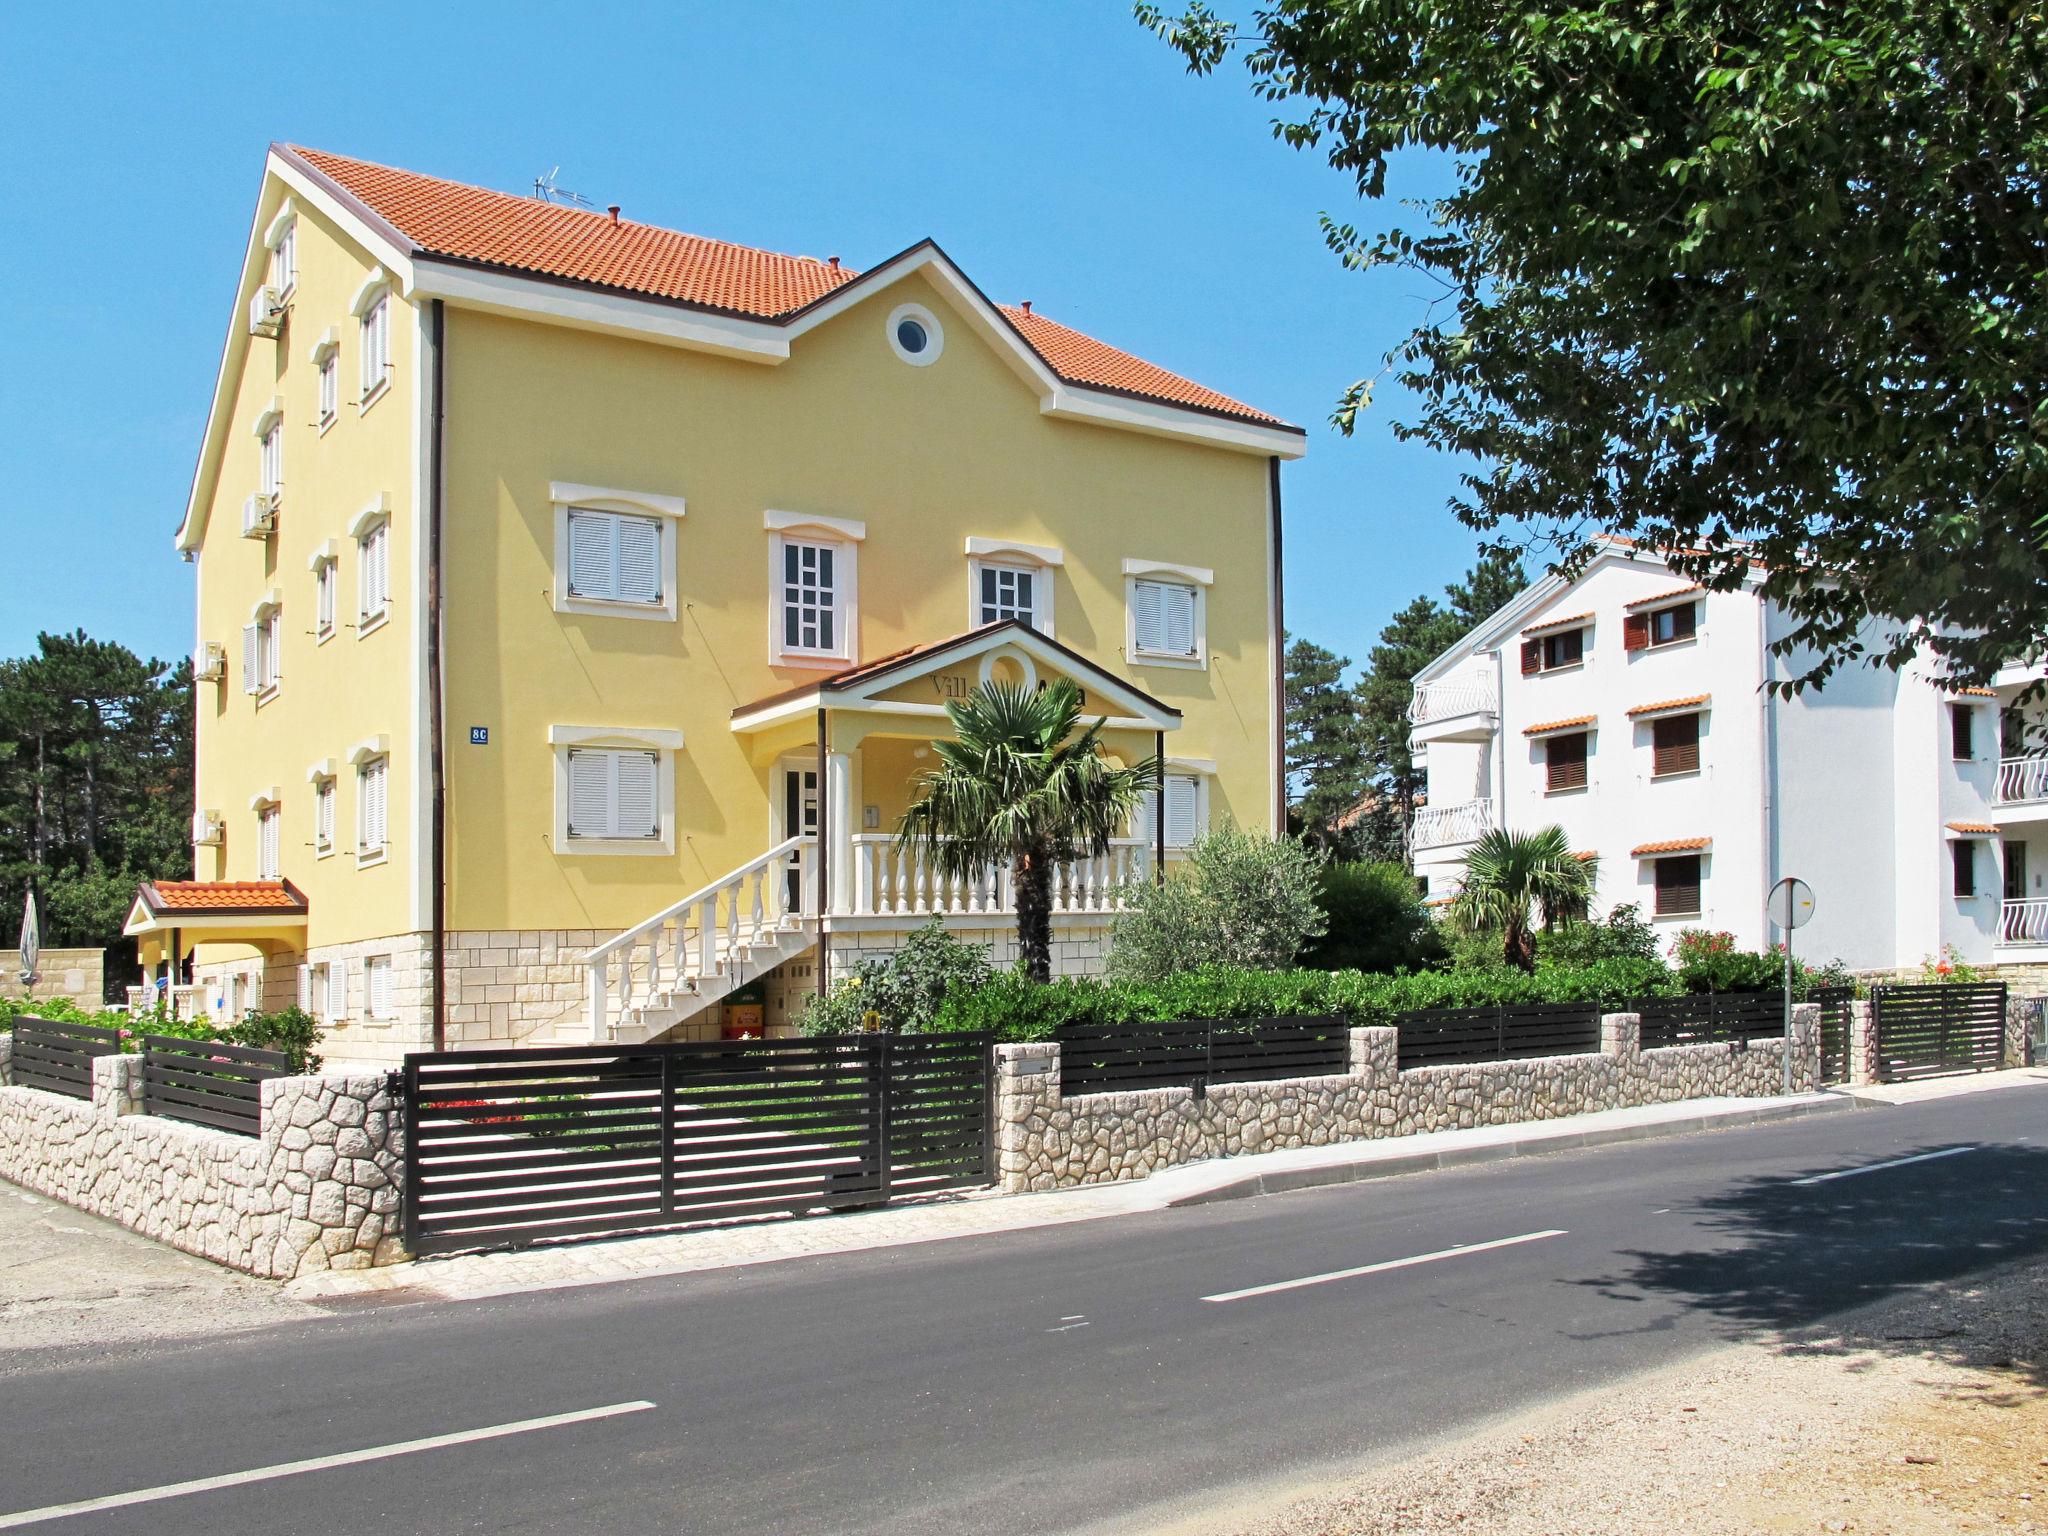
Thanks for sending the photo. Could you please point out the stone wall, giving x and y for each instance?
(319, 1189)
(1048, 1141)
(76, 975)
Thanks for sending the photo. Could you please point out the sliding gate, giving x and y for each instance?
(1931, 1031)
(516, 1146)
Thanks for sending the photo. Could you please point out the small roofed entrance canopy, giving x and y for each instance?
(923, 679)
(258, 912)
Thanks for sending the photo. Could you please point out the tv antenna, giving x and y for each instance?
(546, 191)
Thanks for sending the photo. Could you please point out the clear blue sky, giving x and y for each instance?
(1056, 150)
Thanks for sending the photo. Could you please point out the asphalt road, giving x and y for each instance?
(1039, 1381)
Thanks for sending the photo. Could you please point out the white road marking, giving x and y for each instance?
(1897, 1162)
(1066, 1328)
(1381, 1268)
(23, 1517)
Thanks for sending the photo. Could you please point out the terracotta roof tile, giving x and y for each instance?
(1672, 845)
(1549, 624)
(1696, 701)
(225, 896)
(1977, 693)
(1560, 725)
(548, 240)
(1978, 827)
(1665, 597)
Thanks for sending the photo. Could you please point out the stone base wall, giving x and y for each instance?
(1048, 1141)
(318, 1189)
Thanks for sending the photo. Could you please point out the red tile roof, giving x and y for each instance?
(1977, 693)
(1979, 827)
(216, 898)
(1672, 845)
(1697, 701)
(1574, 723)
(1665, 597)
(462, 223)
(1549, 624)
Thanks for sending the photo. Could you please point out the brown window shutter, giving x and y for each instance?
(1675, 744)
(1532, 656)
(1635, 632)
(1564, 761)
(1678, 885)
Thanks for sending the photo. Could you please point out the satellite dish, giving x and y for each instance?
(1791, 904)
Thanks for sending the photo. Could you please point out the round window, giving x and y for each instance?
(914, 335)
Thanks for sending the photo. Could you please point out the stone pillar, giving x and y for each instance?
(1863, 1058)
(1621, 1036)
(1027, 1102)
(116, 1086)
(1805, 1047)
(2021, 1016)
(6, 1057)
(333, 1150)
(1376, 1053)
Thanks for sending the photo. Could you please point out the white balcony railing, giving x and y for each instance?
(892, 881)
(1452, 697)
(1438, 826)
(2023, 779)
(2024, 922)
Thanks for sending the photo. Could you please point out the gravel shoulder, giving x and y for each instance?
(70, 1281)
(1924, 1416)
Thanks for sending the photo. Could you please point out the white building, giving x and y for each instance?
(1630, 708)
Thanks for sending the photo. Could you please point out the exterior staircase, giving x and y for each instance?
(690, 955)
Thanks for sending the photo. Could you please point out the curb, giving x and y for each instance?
(1280, 1180)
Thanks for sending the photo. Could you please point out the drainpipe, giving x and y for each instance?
(437, 837)
(824, 842)
(1159, 819)
(1279, 641)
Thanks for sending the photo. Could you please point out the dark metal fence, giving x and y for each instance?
(1194, 1053)
(57, 1057)
(514, 1146)
(1931, 1031)
(1710, 1018)
(1834, 1031)
(1438, 1037)
(208, 1082)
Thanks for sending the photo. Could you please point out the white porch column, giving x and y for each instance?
(839, 827)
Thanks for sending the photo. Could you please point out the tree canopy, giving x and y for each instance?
(1739, 282)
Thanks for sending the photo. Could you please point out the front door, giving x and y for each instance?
(2015, 871)
(799, 817)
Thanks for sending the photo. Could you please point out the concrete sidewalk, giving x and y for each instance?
(470, 1276)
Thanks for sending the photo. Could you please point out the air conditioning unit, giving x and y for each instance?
(266, 312)
(209, 662)
(259, 516)
(207, 829)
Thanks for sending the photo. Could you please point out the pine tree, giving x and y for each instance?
(1326, 750)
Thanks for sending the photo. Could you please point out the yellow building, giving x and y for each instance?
(590, 593)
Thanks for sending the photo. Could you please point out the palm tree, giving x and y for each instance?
(1509, 874)
(1016, 786)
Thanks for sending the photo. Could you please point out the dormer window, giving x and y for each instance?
(1555, 646)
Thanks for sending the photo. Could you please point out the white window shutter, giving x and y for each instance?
(251, 680)
(380, 780)
(590, 554)
(1179, 605)
(639, 559)
(1147, 615)
(636, 811)
(305, 989)
(590, 796)
(337, 989)
(1181, 805)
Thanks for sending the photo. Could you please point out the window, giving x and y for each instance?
(1668, 626)
(284, 259)
(268, 852)
(613, 795)
(614, 558)
(1962, 732)
(914, 335)
(1674, 745)
(373, 580)
(1962, 855)
(376, 349)
(1007, 592)
(372, 779)
(810, 598)
(325, 588)
(1678, 886)
(262, 645)
(377, 987)
(273, 459)
(1163, 618)
(323, 818)
(1564, 761)
(330, 388)
(1548, 653)
(1183, 812)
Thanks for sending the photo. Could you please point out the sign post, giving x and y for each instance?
(1789, 907)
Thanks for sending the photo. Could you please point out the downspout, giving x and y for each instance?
(1159, 819)
(1767, 757)
(437, 837)
(824, 843)
(1279, 644)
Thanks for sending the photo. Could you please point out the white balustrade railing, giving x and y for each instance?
(891, 880)
(1453, 696)
(2021, 779)
(1437, 826)
(2024, 922)
(691, 939)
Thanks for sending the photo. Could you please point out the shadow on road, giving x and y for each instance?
(1795, 1254)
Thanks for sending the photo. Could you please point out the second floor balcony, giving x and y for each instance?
(1454, 709)
(1445, 826)
(2023, 780)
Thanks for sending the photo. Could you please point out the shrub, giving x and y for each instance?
(291, 1030)
(1622, 935)
(902, 991)
(1240, 900)
(1709, 962)
(1375, 920)
(1948, 967)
